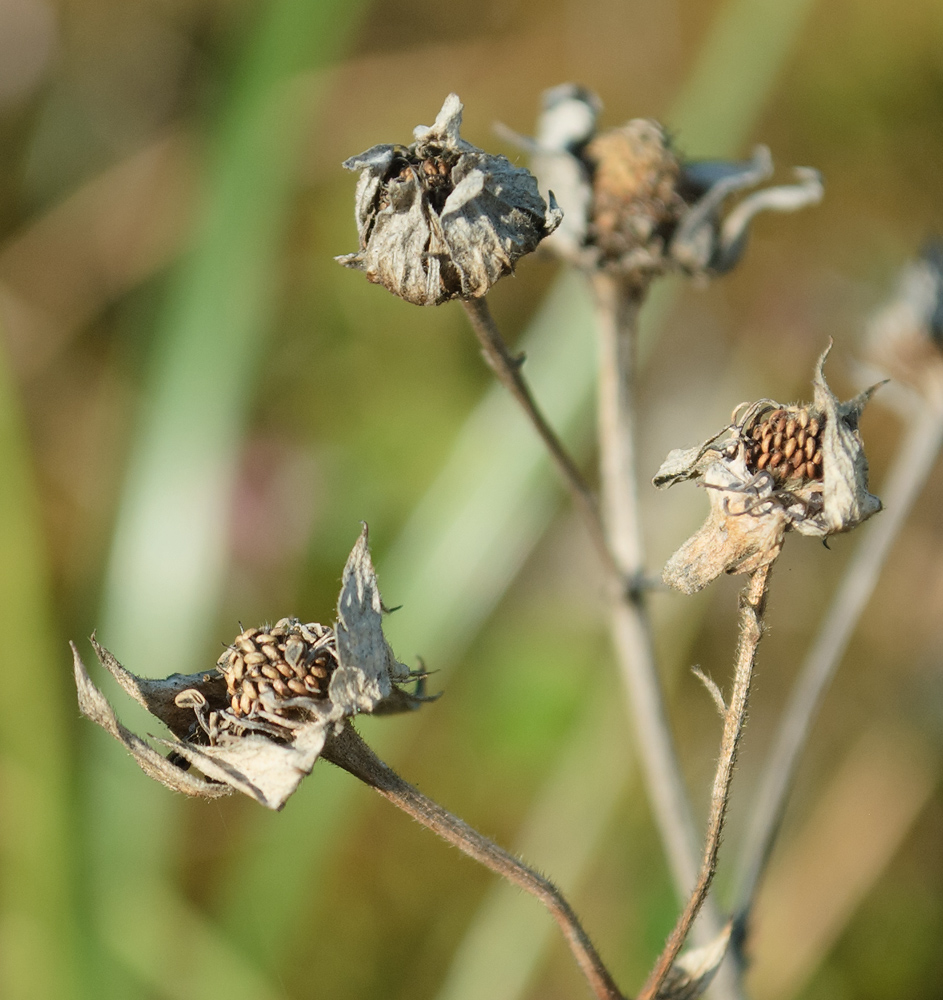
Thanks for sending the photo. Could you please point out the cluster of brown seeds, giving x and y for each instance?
(786, 443)
(434, 174)
(289, 660)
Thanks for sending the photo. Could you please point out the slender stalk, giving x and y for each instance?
(508, 370)
(915, 460)
(752, 609)
(350, 752)
(617, 310)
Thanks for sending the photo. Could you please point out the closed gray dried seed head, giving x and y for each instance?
(441, 219)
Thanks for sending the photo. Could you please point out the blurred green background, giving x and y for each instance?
(198, 407)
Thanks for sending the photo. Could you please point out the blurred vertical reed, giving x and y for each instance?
(168, 559)
(39, 918)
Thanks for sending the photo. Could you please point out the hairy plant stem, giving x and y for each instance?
(349, 752)
(752, 609)
(508, 370)
(905, 480)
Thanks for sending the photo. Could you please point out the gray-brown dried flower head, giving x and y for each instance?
(260, 719)
(634, 207)
(905, 338)
(775, 468)
(441, 219)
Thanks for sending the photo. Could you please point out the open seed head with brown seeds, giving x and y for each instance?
(774, 468)
(441, 219)
(259, 720)
(636, 208)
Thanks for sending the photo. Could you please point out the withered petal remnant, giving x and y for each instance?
(259, 720)
(441, 219)
(775, 468)
(635, 208)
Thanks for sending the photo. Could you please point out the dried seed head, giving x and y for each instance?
(255, 657)
(634, 207)
(259, 721)
(905, 338)
(636, 202)
(441, 219)
(775, 468)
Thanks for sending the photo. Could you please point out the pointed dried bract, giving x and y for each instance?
(258, 722)
(775, 468)
(634, 207)
(694, 970)
(441, 219)
(905, 338)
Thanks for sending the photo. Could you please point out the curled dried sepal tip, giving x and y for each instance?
(775, 468)
(905, 338)
(441, 219)
(258, 722)
(633, 207)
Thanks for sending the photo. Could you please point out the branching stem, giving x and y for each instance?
(508, 370)
(905, 480)
(350, 752)
(752, 609)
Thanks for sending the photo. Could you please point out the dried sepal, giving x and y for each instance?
(905, 338)
(773, 469)
(846, 500)
(694, 970)
(93, 705)
(441, 219)
(367, 669)
(634, 207)
(258, 722)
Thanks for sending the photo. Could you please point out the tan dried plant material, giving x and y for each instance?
(259, 720)
(775, 468)
(905, 338)
(636, 208)
(694, 970)
(441, 219)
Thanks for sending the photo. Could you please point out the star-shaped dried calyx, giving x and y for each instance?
(441, 219)
(905, 338)
(775, 468)
(258, 722)
(634, 207)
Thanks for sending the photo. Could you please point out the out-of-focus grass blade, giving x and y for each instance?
(38, 892)
(466, 540)
(166, 567)
(169, 546)
(740, 59)
(812, 890)
(561, 835)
